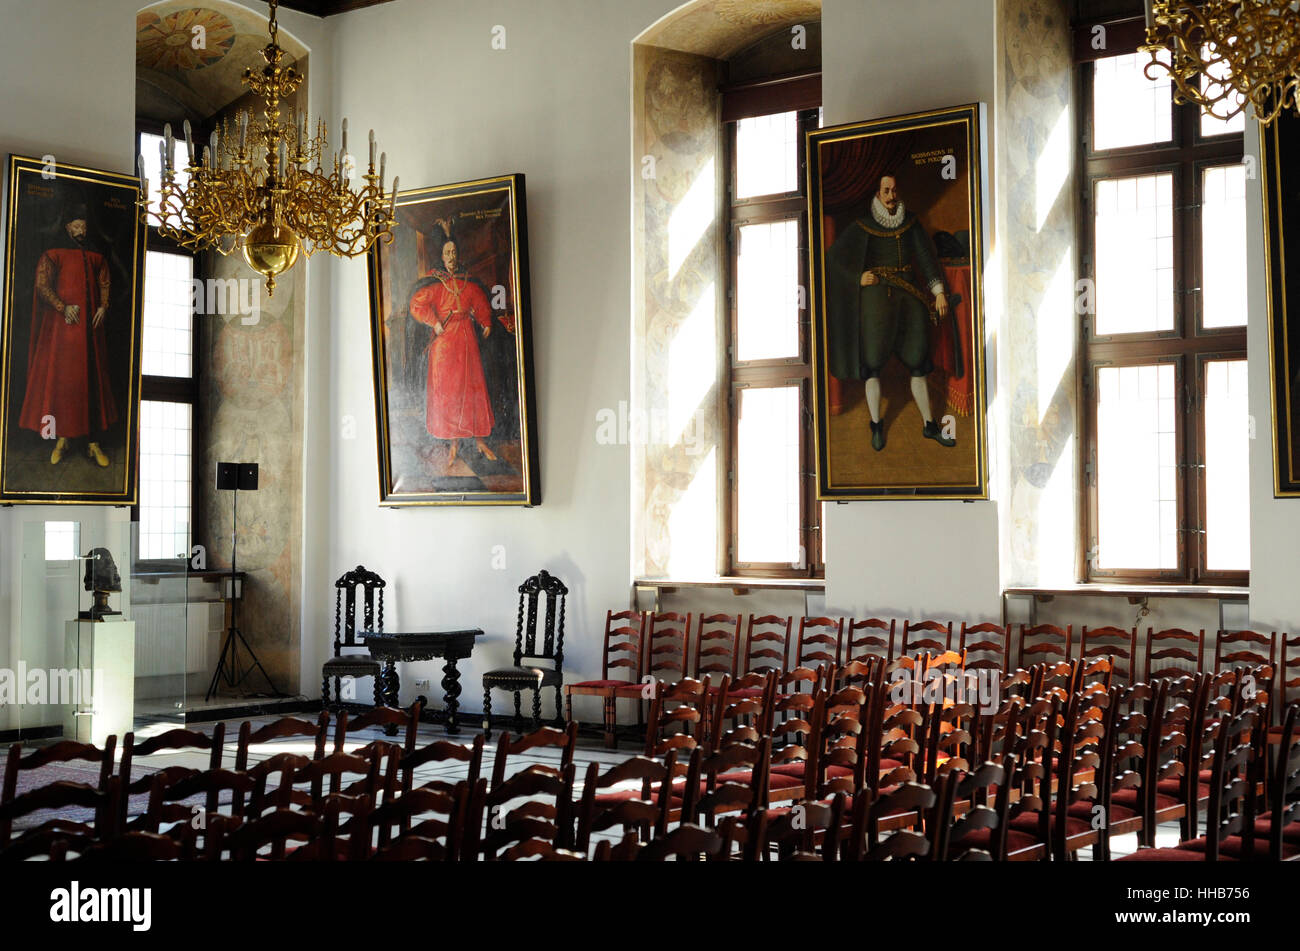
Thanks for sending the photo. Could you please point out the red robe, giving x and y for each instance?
(456, 394)
(67, 364)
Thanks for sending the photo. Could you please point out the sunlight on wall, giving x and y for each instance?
(1056, 522)
(1055, 332)
(1052, 169)
(693, 527)
(690, 219)
(692, 367)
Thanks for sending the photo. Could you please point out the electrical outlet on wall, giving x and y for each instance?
(422, 684)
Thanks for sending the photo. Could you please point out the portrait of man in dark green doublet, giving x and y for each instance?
(884, 287)
(896, 244)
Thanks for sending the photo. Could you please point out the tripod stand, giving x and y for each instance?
(228, 662)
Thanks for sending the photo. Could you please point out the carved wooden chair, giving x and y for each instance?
(345, 631)
(927, 636)
(1049, 644)
(532, 676)
(987, 646)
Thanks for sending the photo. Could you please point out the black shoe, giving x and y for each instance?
(932, 431)
(877, 436)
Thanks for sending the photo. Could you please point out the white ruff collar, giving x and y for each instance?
(884, 218)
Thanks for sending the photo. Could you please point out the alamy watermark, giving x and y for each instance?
(55, 686)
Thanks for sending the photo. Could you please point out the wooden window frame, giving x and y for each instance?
(1188, 345)
(795, 94)
(170, 389)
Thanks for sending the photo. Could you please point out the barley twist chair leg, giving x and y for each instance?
(487, 712)
(537, 707)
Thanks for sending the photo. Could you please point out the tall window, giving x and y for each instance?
(1163, 239)
(775, 523)
(169, 389)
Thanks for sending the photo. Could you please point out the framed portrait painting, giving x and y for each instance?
(70, 374)
(1279, 153)
(896, 243)
(452, 347)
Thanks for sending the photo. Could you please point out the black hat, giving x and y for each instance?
(75, 212)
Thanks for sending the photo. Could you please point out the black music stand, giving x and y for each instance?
(236, 476)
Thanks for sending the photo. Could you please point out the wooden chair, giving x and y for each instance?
(360, 664)
(917, 636)
(641, 805)
(1050, 643)
(58, 795)
(717, 646)
(547, 738)
(873, 813)
(986, 646)
(624, 637)
(546, 812)
(808, 829)
(143, 847)
(389, 718)
(272, 780)
(1174, 652)
(271, 831)
(1288, 672)
(733, 780)
(981, 827)
(283, 728)
(442, 751)
(432, 821)
(1121, 769)
(767, 645)
(532, 676)
(176, 739)
(1230, 812)
(870, 637)
(169, 804)
(64, 751)
(1280, 827)
(686, 843)
(820, 642)
(1114, 642)
(1235, 648)
(681, 708)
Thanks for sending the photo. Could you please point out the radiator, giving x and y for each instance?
(169, 635)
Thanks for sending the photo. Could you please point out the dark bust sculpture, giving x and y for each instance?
(102, 578)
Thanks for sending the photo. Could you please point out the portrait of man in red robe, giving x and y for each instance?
(456, 307)
(68, 393)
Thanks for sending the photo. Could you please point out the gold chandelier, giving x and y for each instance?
(260, 184)
(1223, 55)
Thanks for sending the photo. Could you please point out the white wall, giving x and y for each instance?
(1274, 523)
(914, 558)
(67, 71)
(555, 105)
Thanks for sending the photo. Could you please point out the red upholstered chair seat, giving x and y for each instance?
(601, 683)
(617, 796)
(779, 781)
(1028, 822)
(741, 776)
(886, 763)
(982, 839)
(1084, 810)
(1170, 788)
(1290, 831)
(789, 769)
(1232, 847)
(1132, 798)
(1168, 855)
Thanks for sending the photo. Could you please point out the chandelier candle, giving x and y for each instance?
(262, 188)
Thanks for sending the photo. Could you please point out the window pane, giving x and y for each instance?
(766, 155)
(149, 144)
(1127, 108)
(1223, 246)
(767, 299)
(168, 319)
(62, 541)
(767, 475)
(1227, 470)
(1134, 246)
(165, 440)
(1213, 85)
(1137, 470)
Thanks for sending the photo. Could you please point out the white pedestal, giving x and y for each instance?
(103, 653)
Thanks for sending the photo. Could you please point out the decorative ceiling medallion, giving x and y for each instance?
(185, 39)
(767, 11)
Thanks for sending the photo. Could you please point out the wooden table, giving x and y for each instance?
(389, 647)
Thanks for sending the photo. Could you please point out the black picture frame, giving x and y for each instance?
(1279, 152)
(433, 427)
(41, 358)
